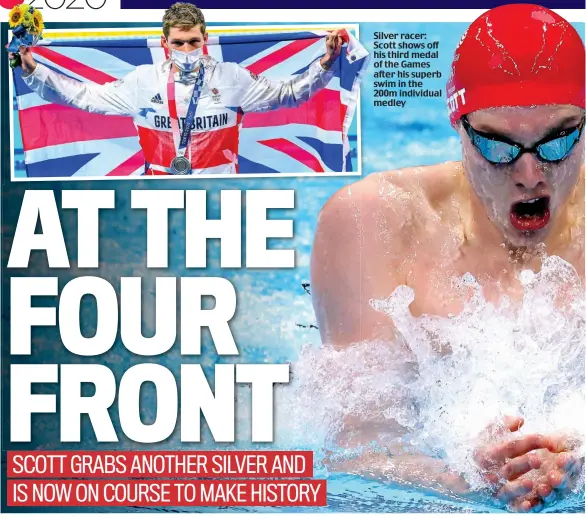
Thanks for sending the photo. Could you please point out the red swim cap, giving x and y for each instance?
(516, 55)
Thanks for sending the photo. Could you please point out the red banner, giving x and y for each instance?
(144, 464)
(166, 492)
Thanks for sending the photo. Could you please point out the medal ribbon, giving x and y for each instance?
(182, 141)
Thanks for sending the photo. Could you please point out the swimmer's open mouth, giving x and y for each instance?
(530, 215)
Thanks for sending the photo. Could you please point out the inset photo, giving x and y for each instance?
(186, 100)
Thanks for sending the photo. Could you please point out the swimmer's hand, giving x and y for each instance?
(557, 475)
(504, 463)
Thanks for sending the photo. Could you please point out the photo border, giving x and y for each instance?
(250, 29)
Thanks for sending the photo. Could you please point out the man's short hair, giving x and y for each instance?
(183, 15)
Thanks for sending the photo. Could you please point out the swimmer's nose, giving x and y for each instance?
(528, 173)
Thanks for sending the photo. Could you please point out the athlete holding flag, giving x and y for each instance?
(189, 90)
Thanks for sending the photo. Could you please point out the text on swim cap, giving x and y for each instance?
(454, 100)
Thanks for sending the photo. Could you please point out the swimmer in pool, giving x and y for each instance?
(516, 98)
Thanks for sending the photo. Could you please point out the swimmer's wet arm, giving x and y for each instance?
(350, 266)
(346, 267)
(419, 470)
(373, 448)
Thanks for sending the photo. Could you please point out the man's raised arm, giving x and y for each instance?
(115, 98)
(261, 94)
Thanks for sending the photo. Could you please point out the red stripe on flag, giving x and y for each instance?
(97, 76)
(324, 110)
(128, 167)
(274, 58)
(52, 125)
(294, 151)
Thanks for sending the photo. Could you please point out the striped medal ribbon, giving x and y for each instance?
(180, 164)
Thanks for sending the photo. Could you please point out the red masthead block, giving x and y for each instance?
(57, 493)
(153, 464)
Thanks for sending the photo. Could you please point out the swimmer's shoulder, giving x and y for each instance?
(363, 193)
(434, 182)
(401, 189)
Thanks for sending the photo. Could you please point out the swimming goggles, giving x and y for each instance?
(502, 151)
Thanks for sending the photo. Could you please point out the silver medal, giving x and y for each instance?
(180, 165)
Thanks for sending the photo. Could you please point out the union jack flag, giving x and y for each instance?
(62, 141)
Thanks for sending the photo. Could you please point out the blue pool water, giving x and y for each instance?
(354, 495)
(348, 494)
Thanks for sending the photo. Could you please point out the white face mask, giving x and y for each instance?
(186, 61)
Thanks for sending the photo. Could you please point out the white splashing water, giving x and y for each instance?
(521, 360)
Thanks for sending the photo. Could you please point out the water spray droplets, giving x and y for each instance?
(446, 379)
(526, 277)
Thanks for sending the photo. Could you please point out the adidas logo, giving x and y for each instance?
(157, 99)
